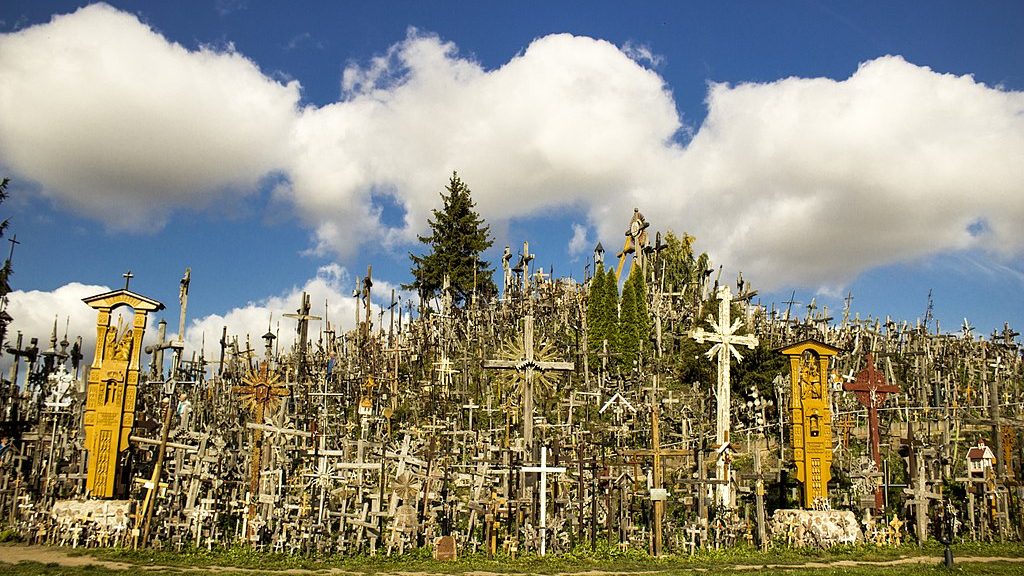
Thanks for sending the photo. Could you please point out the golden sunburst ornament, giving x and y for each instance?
(261, 391)
(514, 351)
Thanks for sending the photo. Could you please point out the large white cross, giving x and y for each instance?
(724, 336)
(543, 470)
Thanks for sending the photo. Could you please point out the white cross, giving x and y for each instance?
(724, 336)
(543, 470)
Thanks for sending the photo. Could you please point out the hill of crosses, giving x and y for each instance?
(653, 406)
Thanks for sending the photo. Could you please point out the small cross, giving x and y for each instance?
(14, 241)
(127, 278)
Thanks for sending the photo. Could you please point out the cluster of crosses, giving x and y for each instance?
(491, 428)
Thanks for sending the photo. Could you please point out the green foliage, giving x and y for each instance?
(906, 560)
(758, 370)
(634, 322)
(602, 315)
(457, 240)
(5, 271)
(596, 329)
(611, 313)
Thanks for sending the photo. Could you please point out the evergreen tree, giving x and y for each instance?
(457, 240)
(597, 329)
(5, 271)
(626, 340)
(610, 313)
(634, 320)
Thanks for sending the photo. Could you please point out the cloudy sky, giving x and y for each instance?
(819, 148)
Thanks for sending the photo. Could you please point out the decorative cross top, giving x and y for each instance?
(871, 389)
(725, 338)
(528, 365)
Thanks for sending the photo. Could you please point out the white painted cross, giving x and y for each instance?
(724, 336)
(543, 470)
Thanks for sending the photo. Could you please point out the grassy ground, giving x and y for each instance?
(901, 561)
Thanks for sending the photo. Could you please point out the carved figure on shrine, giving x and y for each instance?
(811, 417)
(113, 378)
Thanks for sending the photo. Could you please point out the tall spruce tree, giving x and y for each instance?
(458, 238)
(597, 329)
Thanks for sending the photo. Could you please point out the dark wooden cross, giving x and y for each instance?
(528, 365)
(871, 389)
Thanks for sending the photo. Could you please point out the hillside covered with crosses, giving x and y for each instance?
(653, 406)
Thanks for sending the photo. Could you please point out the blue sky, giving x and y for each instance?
(820, 148)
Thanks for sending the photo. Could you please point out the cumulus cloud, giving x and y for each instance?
(802, 182)
(570, 121)
(579, 242)
(35, 312)
(116, 122)
(809, 182)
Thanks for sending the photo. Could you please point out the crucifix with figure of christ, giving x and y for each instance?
(528, 366)
(871, 389)
(724, 336)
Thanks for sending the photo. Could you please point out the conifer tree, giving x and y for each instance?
(597, 329)
(610, 312)
(626, 340)
(5, 271)
(458, 238)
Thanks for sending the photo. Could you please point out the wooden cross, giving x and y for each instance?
(724, 336)
(543, 470)
(846, 423)
(920, 496)
(528, 365)
(871, 389)
(658, 494)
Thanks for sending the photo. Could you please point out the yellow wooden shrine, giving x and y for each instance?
(113, 379)
(811, 416)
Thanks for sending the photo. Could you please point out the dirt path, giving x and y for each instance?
(60, 556)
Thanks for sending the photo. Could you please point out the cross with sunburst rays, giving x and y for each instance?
(261, 391)
(524, 367)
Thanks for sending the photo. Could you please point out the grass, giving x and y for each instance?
(605, 558)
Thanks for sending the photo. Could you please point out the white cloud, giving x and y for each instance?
(35, 311)
(571, 121)
(812, 181)
(116, 122)
(579, 241)
(802, 182)
(642, 53)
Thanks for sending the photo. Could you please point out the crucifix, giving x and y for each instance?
(261, 391)
(724, 336)
(871, 389)
(528, 366)
(544, 470)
